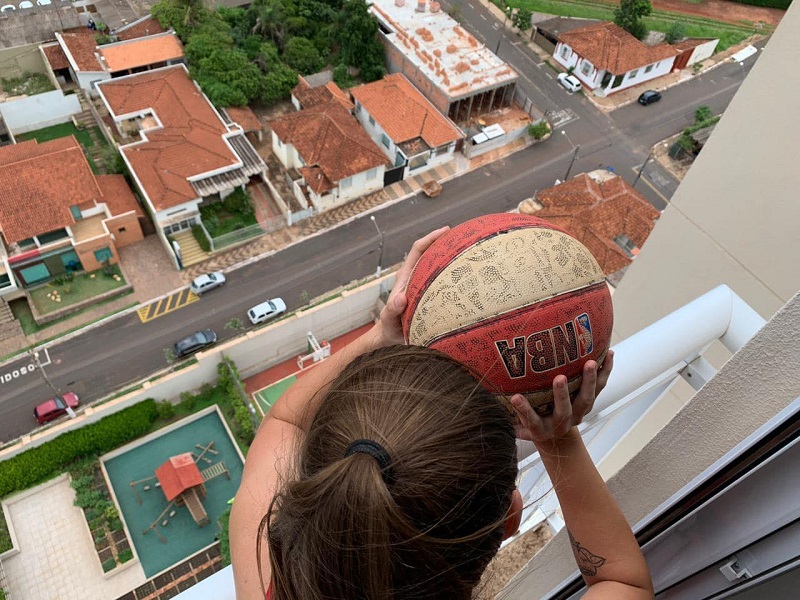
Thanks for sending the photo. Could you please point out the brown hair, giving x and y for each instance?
(340, 529)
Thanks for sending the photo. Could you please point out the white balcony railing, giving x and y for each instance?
(646, 365)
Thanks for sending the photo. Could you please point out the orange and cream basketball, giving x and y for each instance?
(515, 299)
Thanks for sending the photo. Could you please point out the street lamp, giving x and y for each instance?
(574, 154)
(39, 367)
(380, 245)
(641, 170)
(502, 31)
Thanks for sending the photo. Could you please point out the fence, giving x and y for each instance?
(527, 105)
(247, 233)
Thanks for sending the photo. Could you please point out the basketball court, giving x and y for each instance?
(265, 397)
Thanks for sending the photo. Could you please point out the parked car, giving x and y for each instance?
(26, 4)
(649, 97)
(55, 407)
(8, 8)
(570, 82)
(261, 313)
(44, 2)
(193, 343)
(207, 282)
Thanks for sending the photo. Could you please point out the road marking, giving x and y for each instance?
(166, 305)
(549, 76)
(650, 185)
(13, 374)
(495, 26)
(482, 17)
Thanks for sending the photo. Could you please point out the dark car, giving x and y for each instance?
(55, 407)
(649, 97)
(193, 343)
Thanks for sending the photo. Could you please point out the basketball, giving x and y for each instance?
(515, 299)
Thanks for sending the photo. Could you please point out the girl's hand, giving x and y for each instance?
(566, 414)
(389, 330)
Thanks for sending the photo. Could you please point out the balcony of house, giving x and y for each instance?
(88, 229)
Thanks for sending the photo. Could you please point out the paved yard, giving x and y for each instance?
(57, 560)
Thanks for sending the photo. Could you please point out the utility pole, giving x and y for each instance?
(644, 164)
(572, 162)
(502, 31)
(35, 356)
(380, 246)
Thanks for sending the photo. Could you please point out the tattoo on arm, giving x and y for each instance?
(588, 563)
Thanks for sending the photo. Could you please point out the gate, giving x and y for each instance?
(393, 175)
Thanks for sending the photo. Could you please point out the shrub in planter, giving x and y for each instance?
(115, 525)
(125, 555)
(201, 238)
(538, 130)
(109, 564)
(166, 410)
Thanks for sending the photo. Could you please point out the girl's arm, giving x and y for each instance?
(604, 546)
(269, 460)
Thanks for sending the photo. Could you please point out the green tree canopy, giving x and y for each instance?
(358, 38)
(676, 32)
(301, 54)
(278, 83)
(228, 78)
(522, 19)
(628, 15)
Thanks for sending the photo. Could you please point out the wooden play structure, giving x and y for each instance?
(183, 484)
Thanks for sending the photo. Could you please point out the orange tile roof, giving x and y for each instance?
(245, 117)
(178, 474)
(55, 56)
(118, 195)
(312, 96)
(81, 45)
(40, 183)
(149, 26)
(190, 142)
(596, 213)
(141, 52)
(329, 139)
(404, 113)
(610, 48)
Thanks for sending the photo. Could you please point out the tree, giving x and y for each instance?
(301, 54)
(228, 78)
(359, 37)
(629, 16)
(522, 19)
(202, 45)
(702, 114)
(278, 83)
(676, 32)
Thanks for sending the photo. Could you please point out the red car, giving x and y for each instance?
(55, 407)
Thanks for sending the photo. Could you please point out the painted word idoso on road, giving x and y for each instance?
(18, 372)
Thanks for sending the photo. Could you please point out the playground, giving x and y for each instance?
(172, 486)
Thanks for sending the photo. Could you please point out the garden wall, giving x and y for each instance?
(21, 59)
(253, 352)
(41, 110)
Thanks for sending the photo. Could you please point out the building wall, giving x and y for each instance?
(87, 249)
(21, 59)
(86, 80)
(41, 110)
(360, 186)
(703, 51)
(286, 153)
(187, 210)
(593, 78)
(125, 229)
(397, 63)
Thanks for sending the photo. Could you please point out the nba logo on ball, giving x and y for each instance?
(515, 299)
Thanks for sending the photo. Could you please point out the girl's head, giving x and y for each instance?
(428, 525)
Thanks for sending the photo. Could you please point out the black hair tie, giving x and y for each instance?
(376, 451)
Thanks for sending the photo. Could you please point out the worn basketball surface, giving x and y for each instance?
(515, 299)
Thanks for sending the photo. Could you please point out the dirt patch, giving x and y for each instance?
(722, 10)
(509, 561)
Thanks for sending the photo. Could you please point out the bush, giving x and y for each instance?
(702, 114)
(224, 538)
(676, 32)
(200, 236)
(125, 556)
(165, 410)
(341, 76)
(44, 462)
(88, 499)
(109, 564)
(115, 525)
(538, 130)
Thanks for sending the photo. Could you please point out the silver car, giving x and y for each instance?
(207, 282)
(261, 313)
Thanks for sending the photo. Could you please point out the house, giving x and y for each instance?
(335, 158)
(405, 125)
(459, 75)
(56, 215)
(179, 150)
(246, 119)
(604, 213)
(311, 91)
(608, 59)
(75, 57)
(147, 25)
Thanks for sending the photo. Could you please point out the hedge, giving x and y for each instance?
(224, 537)
(201, 238)
(782, 4)
(44, 462)
(226, 372)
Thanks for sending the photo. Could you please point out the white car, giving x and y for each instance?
(261, 313)
(8, 8)
(44, 2)
(206, 282)
(26, 4)
(570, 82)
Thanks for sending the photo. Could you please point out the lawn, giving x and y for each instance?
(727, 33)
(22, 312)
(55, 296)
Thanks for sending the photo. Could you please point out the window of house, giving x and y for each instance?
(26, 242)
(586, 67)
(52, 236)
(121, 230)
(103, 254)
(76, 213)
(648, 68)
(371, 120)
(372, 174)
(5, 280)
(628, 246)
(633, 73)
(564, 51)
(345, 183)
(385, 140)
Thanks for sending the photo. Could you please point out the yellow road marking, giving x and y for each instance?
(651, 186)
(166, 305)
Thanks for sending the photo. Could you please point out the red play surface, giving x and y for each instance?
(178, 474)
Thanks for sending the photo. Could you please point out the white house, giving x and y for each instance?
(336, 160)
(405, 125)
(608, 59)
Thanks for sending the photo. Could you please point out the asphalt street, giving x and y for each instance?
(124, 350)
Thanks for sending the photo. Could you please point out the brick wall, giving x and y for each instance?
(396, 63)
(87, 249)
(125, 229)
